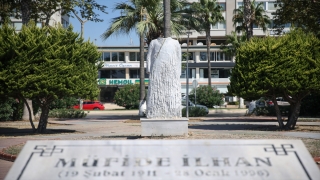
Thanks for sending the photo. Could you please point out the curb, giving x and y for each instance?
(7, 157)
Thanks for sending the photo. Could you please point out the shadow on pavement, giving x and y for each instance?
(8, 131)
(230, 127)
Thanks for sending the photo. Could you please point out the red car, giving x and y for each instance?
(90, 105)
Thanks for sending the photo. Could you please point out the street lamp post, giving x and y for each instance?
(82, 23)
(187, 76)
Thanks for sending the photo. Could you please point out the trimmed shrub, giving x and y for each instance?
(128, 96)
(67, 113)
(194, 112)
(207, 96)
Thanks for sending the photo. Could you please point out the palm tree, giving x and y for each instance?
(207, 13)
(233, 42)
(146, 17)
(245, 22)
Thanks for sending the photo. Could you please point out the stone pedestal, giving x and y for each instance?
(164, 127)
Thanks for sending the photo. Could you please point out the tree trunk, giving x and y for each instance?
(142, 84)
(43, 121)
(167, 18)
(208, 39)
(247, 18)
(26, 103)
(25, 11)
(293, 115)
(278, 113)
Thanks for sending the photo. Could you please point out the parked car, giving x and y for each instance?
(191, 104)
(280, 102)
(90, 105)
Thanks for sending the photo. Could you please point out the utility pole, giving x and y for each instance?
(167, 18)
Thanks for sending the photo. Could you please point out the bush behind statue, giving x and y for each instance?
(128, 96)
(194, 112)
(206, 95)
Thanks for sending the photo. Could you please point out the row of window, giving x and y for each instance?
(135, 56)
(267, 5)
(135, 73)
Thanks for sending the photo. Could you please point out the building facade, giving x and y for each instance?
(121, 64)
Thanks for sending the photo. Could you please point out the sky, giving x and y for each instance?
(93, 30)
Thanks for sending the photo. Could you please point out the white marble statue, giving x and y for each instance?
(164, 68)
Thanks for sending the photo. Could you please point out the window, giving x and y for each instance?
(113, 73)
(219, 56)
(135, 73)
(135, 56)
(204, 73)
(184, 56)
(203, 56)
(191, 73)
(272, 5)
(223, 5)
(220, 25)
(113, 56)
(17, 26)
(263, 4)
(224, 73)
(106, 56)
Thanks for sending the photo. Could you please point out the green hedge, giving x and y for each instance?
(67, 113)
(194, 112)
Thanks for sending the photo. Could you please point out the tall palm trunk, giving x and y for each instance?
(167, 17)
(208, 39)
(247, 18)
(142, 84)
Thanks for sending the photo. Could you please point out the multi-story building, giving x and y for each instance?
(121, 64)
(55, 19)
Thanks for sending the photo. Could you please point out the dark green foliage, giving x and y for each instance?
(234, 103)
(128, 96)
(65, 103)
(287, 66)
(67, 113)
(45, 64)
(206, 95)
(194, 112)
(6, 108)
(310, 105)
(303, 14)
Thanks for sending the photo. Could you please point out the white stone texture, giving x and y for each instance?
(164, 67)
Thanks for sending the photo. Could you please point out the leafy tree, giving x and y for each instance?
(304, 14)
(256, 15)
(146, 18)
(287, 66)
(128, 96)
(233, 42)
(207, 13)
(45, 64)
(42, 10)
(206, 95)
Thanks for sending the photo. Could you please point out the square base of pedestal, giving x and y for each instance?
(164, 127)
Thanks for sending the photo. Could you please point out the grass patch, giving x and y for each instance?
(14, 150)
